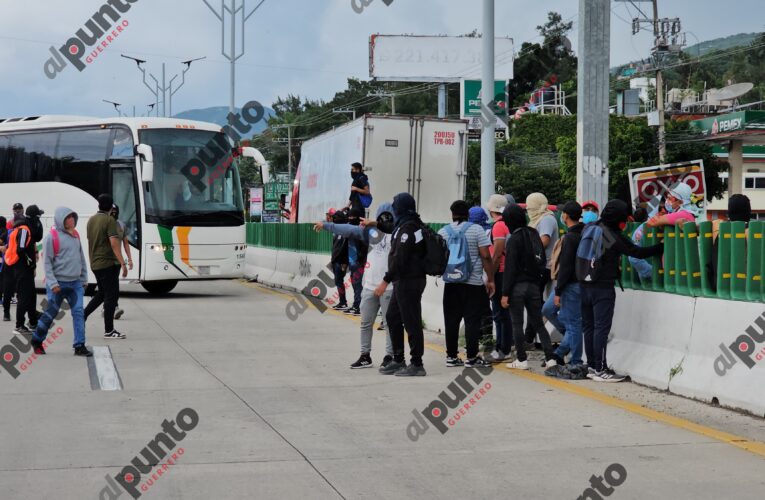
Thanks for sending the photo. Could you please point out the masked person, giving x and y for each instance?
(66, 275)
(6, 294)
(339, 260)
(376, 234)
(406, 272)
(361, 196)
(597, 286)
(543, 220)
(357, 260)
(590, 211)
(499, 234)
(21, 257)
(679, 205)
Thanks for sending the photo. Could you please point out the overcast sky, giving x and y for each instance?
(303, 47)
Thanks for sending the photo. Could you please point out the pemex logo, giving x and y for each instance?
(715, 127)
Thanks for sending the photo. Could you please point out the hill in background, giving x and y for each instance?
(218, 115)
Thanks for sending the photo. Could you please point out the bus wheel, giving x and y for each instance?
(159, 287)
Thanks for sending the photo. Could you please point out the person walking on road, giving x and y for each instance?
(377, 235)
(499, 233)
(407, 273)
(465, 295)
(122, 230)
(21, 259)
(106, 262)
(66, 275)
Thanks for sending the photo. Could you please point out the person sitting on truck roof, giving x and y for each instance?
(359, 188)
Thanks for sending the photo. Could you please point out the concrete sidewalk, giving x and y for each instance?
(282, 416)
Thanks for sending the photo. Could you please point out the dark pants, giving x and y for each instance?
(529, 296)
(357, 276)
(108, 283)
(9, 288)
(530, 332)
(25, 291)
(468, 302)
(337, 270)
(502, 324)
(405, 311)
(597, 315)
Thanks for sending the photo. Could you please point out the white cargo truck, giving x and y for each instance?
(426, 157)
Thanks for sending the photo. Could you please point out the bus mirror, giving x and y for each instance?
(147, 162)
(260, 160)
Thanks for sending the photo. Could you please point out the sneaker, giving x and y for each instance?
(608, 375)
(14, 301)
(497, 356)
(114, 334)
(381, 327)
(353, 311)
(386, 361)
(81, 350)
(22, 330)
(118, 313)
(6, 318)
(518, 365)
(454, 362)
(477, 361)
(364, 361)
(550, 363)
(392, 367)
(38, 347)
(340, 307)
(591, 372)
(412, 371)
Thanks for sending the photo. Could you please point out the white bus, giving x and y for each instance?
(178, 228)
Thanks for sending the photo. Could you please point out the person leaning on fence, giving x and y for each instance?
(598, 259)
(739, 210)
(465, 295)
(377, 236)
(66, 276)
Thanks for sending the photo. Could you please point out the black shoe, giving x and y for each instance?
(386, 361)
(81, 350)
(22, 330)
(364, 361)
(114, 334)
(6, 318)
(412, 371)
(353, 311)
(454, 362)
(393, 367)
(477, 361)
(38, 347)
(340, 307)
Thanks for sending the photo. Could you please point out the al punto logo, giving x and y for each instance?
(745, 347)
(105, 21)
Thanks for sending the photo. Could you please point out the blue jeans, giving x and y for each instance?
(552, 313)
(597, 316)
(73, 292)
(643, 268)
(571, 317)
(357, 276)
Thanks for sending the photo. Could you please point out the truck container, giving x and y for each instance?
(424, 156)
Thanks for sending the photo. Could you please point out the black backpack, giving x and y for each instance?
(436, 252)
(540, 257)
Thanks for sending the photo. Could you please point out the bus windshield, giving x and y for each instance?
(207, 194)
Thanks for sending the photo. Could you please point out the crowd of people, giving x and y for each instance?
(519, 269)
(65, 270)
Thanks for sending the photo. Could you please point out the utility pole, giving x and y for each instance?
(289, 128)
(344, 110)
(392, 96)
(488, 120)
(116, 106)
(165, 89)
(659, 90)
(233, 11)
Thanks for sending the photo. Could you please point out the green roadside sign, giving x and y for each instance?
(273, 192)
(470, 92)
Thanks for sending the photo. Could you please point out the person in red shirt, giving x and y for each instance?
(502, 325)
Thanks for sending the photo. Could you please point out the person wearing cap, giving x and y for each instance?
(590, 211)
(499, 233)
(18, 209)
(3, 293)
(679, 205)
(24, 269)
(465, 297)
(567, 297)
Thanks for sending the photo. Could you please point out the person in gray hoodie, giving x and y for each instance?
(66, 275)
(377, 235)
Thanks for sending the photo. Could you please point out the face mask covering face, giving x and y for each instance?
(668, 207)
(589, 217)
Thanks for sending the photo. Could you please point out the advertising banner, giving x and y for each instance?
(649, 184)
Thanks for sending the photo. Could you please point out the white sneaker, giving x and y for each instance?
(498, 356)
(550, 363)
(518, 365)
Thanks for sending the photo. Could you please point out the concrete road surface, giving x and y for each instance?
(223, 397)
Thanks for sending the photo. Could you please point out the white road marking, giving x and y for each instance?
(106, 372)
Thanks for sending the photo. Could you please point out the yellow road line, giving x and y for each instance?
(756, 447)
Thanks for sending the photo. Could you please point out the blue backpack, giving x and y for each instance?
(459, 266)
(366, 200)
(590, 253)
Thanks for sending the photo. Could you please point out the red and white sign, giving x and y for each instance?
(649, 184)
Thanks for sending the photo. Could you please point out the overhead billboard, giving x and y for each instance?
(435, 58)
(649, 184)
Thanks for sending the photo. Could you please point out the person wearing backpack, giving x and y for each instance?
(406, 271)
(567, 297)
(361, 196)
(3, 246)
(525, 267)
(21, 257)
(597, 269)
(465, 295)
(499, 232)
(66, 276)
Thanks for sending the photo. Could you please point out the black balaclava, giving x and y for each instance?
(404, 208)
(615, 214)
(514, 217)
(739, 208)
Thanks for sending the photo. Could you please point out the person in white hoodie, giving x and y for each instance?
(377, 235)
(66, 275)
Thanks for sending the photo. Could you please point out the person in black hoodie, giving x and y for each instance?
(24, 233)
(521, 288)
(599, 295)
(568, 296)
(406, 270)
(357, 261)
(340, 261)
(6, 296)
